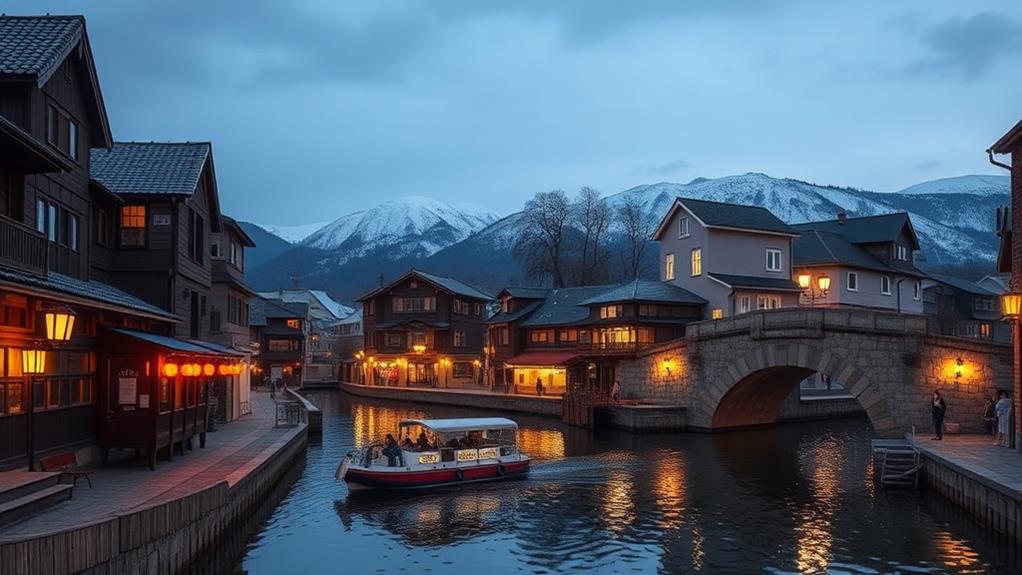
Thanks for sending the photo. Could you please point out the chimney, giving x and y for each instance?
(842, 217)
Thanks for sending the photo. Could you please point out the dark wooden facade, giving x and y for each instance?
(282, 337)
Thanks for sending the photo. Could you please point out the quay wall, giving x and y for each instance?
(992, 504)
(313, 415)
(166, 537)
(515, 403)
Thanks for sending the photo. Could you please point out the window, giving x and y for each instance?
(214, 250)
(102, 228)
(768, 301)
(72, 231)
(745, 304)
(568, 335)
(697, 262)
(682, 228)
(294, 323)
(983, 304)
(885, 285)
(62, 132)
(284, 345)
(51, 223)
(985, 330)
(461, 369)
(14, 311)
(648, 310)
(853, 282)
(900, 252)
(133, 226)
(214, 321)
(917, 289)
(394, 340)
(413, 304)
(610, 311)
(479, 309)
(195, 236)
(669, 267)
(717, 313)
(459, 339)
(773, 260)
(370, 307)
(234, 254)
(541, 336)
(237, 310)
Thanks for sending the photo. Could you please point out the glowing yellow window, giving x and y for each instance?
(717, 313)
(697, 262)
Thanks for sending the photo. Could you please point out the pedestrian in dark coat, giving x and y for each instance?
(939, 408)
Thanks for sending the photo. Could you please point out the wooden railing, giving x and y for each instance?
(22, 247)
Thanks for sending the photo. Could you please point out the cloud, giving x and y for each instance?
(967, 48)
(663, 169)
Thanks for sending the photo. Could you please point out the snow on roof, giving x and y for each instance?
(463, 424)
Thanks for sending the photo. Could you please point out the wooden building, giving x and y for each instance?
(571, 338)
(424, 330)
(281, 330)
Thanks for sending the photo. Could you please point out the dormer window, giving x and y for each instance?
(900, 253)
(610, 311)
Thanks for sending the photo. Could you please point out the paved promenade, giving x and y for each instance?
(976, 456)
(121, 486)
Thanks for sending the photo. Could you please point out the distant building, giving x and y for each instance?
(572, 338)
(348, 340)
(997, 283)
(867, 262)
(281, 330)
(963, 308)
(424, 329)
(321, 364)
(736, 257)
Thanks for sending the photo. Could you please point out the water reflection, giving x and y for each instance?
(793, 499)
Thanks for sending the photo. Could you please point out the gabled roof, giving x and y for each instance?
(1009, 141)
(563, 306)
(516, 315)
(815, 247)
(150, 167)
(33, 47)
(449, 285)
(277, 309)
(524, 292)
(962, 284)
(754, 282)
(727, 216)
(868, 229)
(649, 291)
(89, 291)
(232, 224)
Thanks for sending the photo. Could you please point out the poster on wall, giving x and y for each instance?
(127, 387)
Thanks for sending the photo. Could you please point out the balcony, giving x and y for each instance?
(22, 247)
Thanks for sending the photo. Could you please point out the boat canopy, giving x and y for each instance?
(465, 424)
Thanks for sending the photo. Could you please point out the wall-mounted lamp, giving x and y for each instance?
(959, 368)
(59, 325)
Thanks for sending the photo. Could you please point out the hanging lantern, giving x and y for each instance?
(170, 370)
(33, 361)
(224, 369)
(208, 369)
(1011, 305)
(59, 325)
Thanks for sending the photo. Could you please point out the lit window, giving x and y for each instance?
(853, 282)
(610, 311)
(697, 262)
(773, 260)
(984, 330)
(683, 228)
(885, 285)
(133, 225)
(459, 339)
(669, 267)
(294, 323)
(717, 313)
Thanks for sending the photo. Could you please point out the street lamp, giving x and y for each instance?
(805, 282)
(59, 325)
(1011, 306)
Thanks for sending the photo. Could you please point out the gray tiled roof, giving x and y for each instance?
(962, 285)
(281, 309)
(640, 290)
(257, 312)
(515, 315)
(32, 45)
(563, 306)
(454, 286)
(865, 230)
(815, 247)
(736, 216)
(150, 167)
(92, 290)
(526, 292)
(777, 284)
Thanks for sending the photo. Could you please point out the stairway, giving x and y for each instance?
(25, 493)
(896, 463)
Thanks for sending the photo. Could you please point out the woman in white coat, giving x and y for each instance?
(1003, 410)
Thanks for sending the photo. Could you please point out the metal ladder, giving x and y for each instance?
(900, 463)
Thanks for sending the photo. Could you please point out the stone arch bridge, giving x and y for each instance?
(736, 372)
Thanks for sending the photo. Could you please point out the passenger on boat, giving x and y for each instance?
(423, 441)
(407, 443)
(391, 450)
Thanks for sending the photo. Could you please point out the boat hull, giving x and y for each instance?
(390, 478)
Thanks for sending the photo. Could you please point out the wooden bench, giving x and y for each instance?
(66, 464)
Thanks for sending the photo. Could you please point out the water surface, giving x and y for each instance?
(796, 499)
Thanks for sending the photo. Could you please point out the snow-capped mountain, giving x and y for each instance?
(293, 234)
(413, 226)
(976, 185)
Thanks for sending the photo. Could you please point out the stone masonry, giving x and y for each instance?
(737, 372)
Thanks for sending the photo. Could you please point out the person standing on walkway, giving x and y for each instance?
(939, 408)
(989, 416)
(615, 391)
(539, 386)
(1003, 410)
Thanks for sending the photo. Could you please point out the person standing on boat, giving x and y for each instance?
(939, 407)
(1003, 410)
(391, 450)
(539, 386)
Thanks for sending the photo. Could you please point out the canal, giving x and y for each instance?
(796, 499)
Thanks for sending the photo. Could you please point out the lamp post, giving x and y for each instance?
(820, 289)
(33, 362)
(1011, 309)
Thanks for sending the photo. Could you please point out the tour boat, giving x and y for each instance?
(435, 452)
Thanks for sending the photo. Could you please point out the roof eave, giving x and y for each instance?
(1009, 142)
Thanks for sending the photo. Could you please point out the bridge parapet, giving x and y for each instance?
(808, 323)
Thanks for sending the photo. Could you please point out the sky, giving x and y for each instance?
(317, 108)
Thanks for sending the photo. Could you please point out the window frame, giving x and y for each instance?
(135, 214)
(850, 279)
(669, 273)
(885, 279)
(684, 230)
(770, 254)
(696, 262)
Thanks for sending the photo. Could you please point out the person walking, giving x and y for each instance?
(939, 408)
(989, 416)
(1003, 410)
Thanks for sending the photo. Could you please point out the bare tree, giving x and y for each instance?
(541, 246)
(591, 215)
(636, 231)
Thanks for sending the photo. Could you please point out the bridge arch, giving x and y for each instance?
(753, 387)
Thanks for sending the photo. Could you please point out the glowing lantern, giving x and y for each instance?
(804, 280)
(419, 348)
(223, 369)
(208, 369)
(59, 325)
(236, 369)
(170, 370)
(823, 282)
(1011, 305)
(33, 361)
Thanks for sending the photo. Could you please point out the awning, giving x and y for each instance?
(174, 344)
(542, 358)
(217, 348)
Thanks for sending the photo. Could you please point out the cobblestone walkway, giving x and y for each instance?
(977, 455)
(129, 483)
